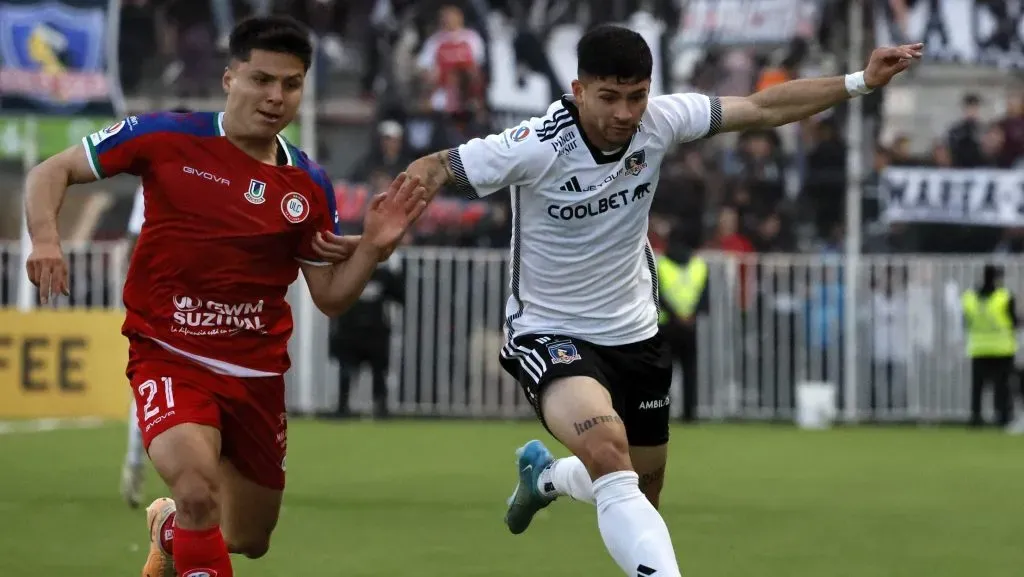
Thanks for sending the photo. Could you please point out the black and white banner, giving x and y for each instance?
(514, 93)
(985, 32)
(741, 22)
(979, 197)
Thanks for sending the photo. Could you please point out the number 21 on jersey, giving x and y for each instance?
(149, 391)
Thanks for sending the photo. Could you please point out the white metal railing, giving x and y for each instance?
(774, 321)
(96, 274)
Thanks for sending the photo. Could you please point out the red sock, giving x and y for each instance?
(201, 553)
(167, 535)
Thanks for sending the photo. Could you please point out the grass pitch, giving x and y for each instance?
(426, 499)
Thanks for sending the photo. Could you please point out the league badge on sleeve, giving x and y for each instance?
(295, 207)
(105, 133)
(563, 353)
(519, 134)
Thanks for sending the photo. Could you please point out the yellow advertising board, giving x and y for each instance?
(62, 364)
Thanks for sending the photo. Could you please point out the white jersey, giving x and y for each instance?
(138, 217)
(581, 265)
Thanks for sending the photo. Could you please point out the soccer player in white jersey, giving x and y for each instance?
(582, 320)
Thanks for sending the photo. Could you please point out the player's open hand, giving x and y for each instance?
(887, 62)
(333, 248)
(48, 270)
(391, 212)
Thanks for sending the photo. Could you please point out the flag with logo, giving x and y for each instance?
(59, 57)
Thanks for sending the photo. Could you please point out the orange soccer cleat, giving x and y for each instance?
(159, 563)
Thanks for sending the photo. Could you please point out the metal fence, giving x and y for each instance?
(774, 322)
(96, 274)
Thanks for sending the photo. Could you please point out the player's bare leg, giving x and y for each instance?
(187, 458)
(249, 512)
(649, 463)
(579, 412)
(134, 463)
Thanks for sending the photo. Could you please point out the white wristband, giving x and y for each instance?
(855, 84)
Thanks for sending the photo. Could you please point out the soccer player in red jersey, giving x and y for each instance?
(231, 214)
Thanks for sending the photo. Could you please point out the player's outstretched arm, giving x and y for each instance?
(433, 171)
(45, 187)
(798, 99)
(336, 287)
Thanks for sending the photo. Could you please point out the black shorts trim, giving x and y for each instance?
(638, 377)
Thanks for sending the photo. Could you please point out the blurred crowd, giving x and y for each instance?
(423, 66)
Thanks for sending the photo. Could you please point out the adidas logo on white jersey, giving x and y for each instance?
(571, 185)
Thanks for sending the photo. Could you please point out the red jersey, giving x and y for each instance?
(222, 241)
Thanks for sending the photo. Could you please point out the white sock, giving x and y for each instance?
(135, 449)
(567, 477)
(633, 531)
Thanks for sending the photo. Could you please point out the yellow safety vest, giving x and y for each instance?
(680, 286)
(989, 325)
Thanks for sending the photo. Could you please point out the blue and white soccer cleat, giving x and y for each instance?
(526, 500)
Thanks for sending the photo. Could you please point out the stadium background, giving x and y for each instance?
(770, 209)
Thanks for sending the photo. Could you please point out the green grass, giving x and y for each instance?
(426, 499)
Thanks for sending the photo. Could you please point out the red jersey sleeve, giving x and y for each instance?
(323, 213)
(129, 145)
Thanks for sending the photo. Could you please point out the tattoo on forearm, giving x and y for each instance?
(648, 479)
(587, 424)
(442, 159)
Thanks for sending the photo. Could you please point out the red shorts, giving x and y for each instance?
(250, 413)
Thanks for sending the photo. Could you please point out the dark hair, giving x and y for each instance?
(281, 34)
(181, 110)
(609, 51)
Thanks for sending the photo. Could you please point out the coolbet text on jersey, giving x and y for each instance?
(580, 264)
(223, 238)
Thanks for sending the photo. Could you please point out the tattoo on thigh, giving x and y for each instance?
(587, 424)
(655, 476)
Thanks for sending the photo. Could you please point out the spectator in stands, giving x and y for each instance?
(941, 156)
(788, 69)
(1013, 131)
(390, 156)
(451, 62)
(387, 21)
(762, 165)
(136, 42)
(825, 181)
(729, 239)
(901, 153)
(834, 242)
(993, 141)
(965, 136)
(190, 39)
(685, 175)
(771, 237)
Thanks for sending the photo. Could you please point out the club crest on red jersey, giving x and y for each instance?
(294, 207)
(256, 191)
